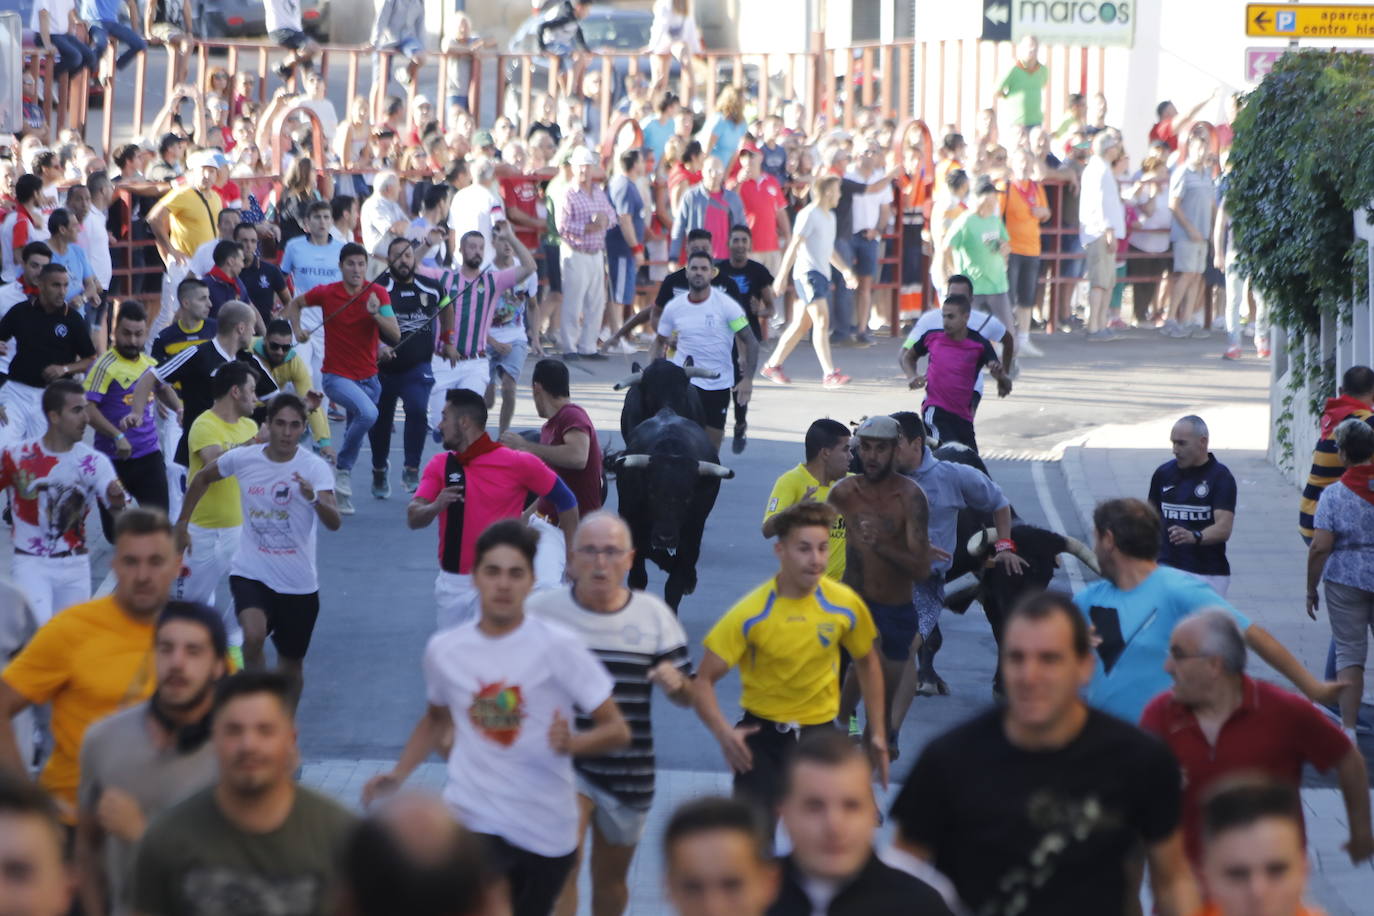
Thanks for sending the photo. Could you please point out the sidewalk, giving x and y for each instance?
(1268, 581)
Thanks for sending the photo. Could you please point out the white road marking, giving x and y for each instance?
(1042, 492)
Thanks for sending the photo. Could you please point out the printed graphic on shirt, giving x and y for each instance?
(230, 890)
(497, 711)
(273, 524)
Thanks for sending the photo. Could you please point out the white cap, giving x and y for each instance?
(584, 156)
(202, 159)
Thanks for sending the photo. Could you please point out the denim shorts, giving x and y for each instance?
(289, 38)
(897, 626)
(812, 285)
(512, 363)
(866, 255)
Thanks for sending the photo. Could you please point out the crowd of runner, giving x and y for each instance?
(188, 406)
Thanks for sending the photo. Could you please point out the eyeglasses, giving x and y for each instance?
(283, 347)
(609, 553)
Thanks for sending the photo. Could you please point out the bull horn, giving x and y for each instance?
(700, 372)
(711, 469)
(968, 582)
(1080, 551)
(634, 378)
(977, 543)
(632, 461)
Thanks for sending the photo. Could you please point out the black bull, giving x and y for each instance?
(668, 477)
(973, 575)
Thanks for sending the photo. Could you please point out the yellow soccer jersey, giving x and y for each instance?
(788, 650)
(788, 491)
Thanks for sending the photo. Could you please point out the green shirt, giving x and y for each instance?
(976, 242)
(194, 862)
(1023, 90)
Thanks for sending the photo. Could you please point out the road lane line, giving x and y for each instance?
(1042, 492)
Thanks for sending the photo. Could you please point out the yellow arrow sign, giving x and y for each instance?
(1291, 20)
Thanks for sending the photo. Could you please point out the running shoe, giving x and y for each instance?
(410, 479)
(862, 341)
(343, 482)
(1198, 332)
(1232, 352)
(1264, 354)
(336, 413)
(1178, 332)
(403, 76)
(1168, 327)
(1027, 347)
(345, 503)
(570, 356)
(775, 375)
(835, 380)
(855, 730)
(740, 441)
(381, 482)
(1118, 325)
(597, 357)
(284, 70)
(1101, 336)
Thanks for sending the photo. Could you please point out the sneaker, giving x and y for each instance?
(336, 414)
(740, 442)
(625, 347)
(1178, 332)
(775, 375)
(1118, 325)
(570, 357)
(598, 357)
(1101, 336)
(855, 730)
(843, 340)
(835, 380)
(381, 482)
(1262, 346)
(1168, 327)
(1028, 348)
(410, 479)
(345, 503)
(1232, 352)
(862, 341)
(1198, 332)
(1264, 353)
(343, 482)
(284, 70)
(927, 687)
(236, 656)
(403, 76)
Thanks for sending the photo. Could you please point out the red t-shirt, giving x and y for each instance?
(762, 199)
(1164, 132)
(350, 333)
(1273, 732)
(585, 482)
(521, 192)
(230, 195)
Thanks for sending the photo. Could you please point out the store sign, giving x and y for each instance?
(1095, 23)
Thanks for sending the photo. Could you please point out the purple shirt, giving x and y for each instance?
(110, 387)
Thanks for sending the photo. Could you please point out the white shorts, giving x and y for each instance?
(24, 409)
(52, 584)
(207, 563)
(617, 822)
(551, 556)
(455, 599)
(472, 374)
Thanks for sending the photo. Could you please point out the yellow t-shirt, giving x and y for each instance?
(88, 661)
(788, 490)
(193, 217)
(220, 507)
(788, 650)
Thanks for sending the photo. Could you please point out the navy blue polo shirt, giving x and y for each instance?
(263, 280)
(1190, 498)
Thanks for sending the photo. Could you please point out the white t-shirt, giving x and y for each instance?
(51, 493)
(203, 259)
(283, 14)
(704, 331)
(475, 208)
(868, 205)
(984, 323)
(277, 547)
(503, 777)
(94, 239)
(816, 229)
(59, 12)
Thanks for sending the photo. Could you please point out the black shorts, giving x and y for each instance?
(289, 38)
(771, 746)
(716, 404)
(290, 618)
(897, 625)
(950, 427)
(534, 881)
(550, 271)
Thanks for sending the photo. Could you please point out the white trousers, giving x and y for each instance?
(204, 567)
(455, 599)
(472, 374)
(551, 556)
(52, 584)
(584, 299)
(24, 411)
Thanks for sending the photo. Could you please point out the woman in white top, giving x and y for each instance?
(1150, 234)
(673, 35)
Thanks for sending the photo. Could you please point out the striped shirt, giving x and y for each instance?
(1326, 460)
(629, 642)
(476, 300)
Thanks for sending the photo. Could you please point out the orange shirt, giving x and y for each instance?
(1022, 227)
(88, 661)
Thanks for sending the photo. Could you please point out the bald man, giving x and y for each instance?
(639, 639)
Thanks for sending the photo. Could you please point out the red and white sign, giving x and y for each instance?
(1259, 61)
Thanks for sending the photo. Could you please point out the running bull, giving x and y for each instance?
(668, 477)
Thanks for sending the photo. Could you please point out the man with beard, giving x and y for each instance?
(888, 548)
(92, 659)
(143, 760)
(471, 485)
(405, 368)
(254, 842)
(275, 356)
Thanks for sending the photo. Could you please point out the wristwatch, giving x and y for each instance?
(1197, 537)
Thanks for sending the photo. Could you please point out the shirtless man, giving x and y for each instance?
(888, 549)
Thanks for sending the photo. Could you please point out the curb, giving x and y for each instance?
(1077, 482)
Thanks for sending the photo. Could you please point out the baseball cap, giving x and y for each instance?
(482, 138)
(879, 427)
(168, 141)
(584, 156)
(202, 159)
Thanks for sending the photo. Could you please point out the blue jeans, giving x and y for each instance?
(359, 400)
(72, 55)
(841, 296)
(133, 42)
(412, 389)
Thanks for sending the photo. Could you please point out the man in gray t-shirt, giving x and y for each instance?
(1193, 202)
(138, 762)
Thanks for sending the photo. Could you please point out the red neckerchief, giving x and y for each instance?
(1027, 191)
(480, 446)
(223, 277)
(1337, 409)
(1360, 480)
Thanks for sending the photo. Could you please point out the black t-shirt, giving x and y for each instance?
(191, 370)
(844, 210)
(263, 280)
(676, 282)
(43, 339)
(1189, 498)
(416, 305)
(1047, 829)
(744, 285)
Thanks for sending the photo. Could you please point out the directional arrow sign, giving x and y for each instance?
(1287, 20)
(997, 20)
